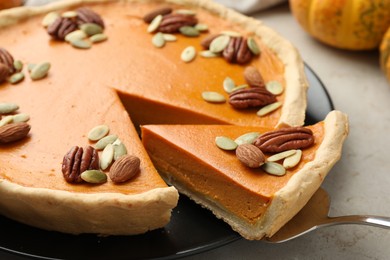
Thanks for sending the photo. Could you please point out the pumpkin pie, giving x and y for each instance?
(103, 85)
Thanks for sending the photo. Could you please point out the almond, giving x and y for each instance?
(250, 155)
(253, 77)
(125, 168)
(14, 132)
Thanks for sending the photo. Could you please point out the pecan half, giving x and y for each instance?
(86, 15)
(171, 23)
(237, 51)
(61, 27)
(4, 72)
(253, 77)
(244, 55)
(159, 11)
(7, 59)
(251, 97)
(78, 160)
(285, 139)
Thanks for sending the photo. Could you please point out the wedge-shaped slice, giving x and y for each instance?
(253, 202)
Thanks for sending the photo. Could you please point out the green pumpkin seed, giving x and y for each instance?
(228, 85)
(49, 19)
(231, 33)
(153, 26)
(208, 54)
(40, 71)
(201, 27)
(22, 117)
(269, 108)
(107, 156)
(6, 108)
(274, 87)
(239, 87)
(274, 168)
(119, 149)
(100, 37)
(98, 132)
(292, 160)
(30, 66)
(225, 143)
(91, 28)
(94, 176)
(158, 40)
(169, 37)
(75, 35)
(102, 143)
(189, 31)
(81, 44)
(6, 120)
(280, 156)
(247, 138)
(188, 54)
(219, 43)
(69, 14)
(252, 45)
(185, 12)
(213, 97)
(16, 78)
(18, 65)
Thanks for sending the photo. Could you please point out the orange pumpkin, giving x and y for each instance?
(346, 24)
(385, 54)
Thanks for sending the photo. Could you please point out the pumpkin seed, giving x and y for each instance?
(169, 37)
(119, 149)
(49, 19)
(228, 85)
(185, 12)
(239, 87)
(188, 54)
(158, 40)
(18, 65)
(269, 108)
(252, 45)
(292, 160)
(213, 97)
(30, 66)
(81, 44)
(69, 14)
(102, 143)
(40, 71)
(189, 31)
(201, 27)
(107, 157)
(100, 37)
(153, 26)
(274, 168)
(280, 156)
(231, 33)
(247, 138)
(274, 87)
(6, 120)
(75, 35)
(98, 132)
(94, 176)
(22, 117)
(16, 78)
(208, 54)
(225, 143)
(91, 28)
(6, 108)
(219, 43)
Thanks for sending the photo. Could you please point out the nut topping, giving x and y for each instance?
(159, 11)
(171, 23)
(86, 15)
(125, 168)
(61, 27)
(285, 139)
(250, 155)
(253, 77)
(78, 160)
(252, 97)
(7, 59)
(206, 41)
(237, 51)
(4, 72)
(13, 132)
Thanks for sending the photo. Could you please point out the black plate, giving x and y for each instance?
(191, 230)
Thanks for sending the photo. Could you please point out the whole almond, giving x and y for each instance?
(250, 155)
(14, 132)
(148, 18)
(253, 77)
(125, 168)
